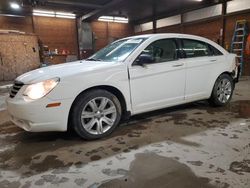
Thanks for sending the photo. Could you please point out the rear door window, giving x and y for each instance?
(215, 51)
(195, 48)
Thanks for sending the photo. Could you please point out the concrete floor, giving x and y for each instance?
(192, 145)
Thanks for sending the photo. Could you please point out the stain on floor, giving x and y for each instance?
(151, 170)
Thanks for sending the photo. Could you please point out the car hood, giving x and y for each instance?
(64, 70)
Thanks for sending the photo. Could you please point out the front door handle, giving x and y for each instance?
(213, 60)
(178, 65)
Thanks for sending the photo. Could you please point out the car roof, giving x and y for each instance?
(180, 35)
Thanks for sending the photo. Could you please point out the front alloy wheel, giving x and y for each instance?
(95, 114)
(98, 115)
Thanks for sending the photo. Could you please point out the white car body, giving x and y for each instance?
(144, 89)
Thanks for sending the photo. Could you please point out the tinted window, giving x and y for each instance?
(215, 51)
(194, 48)
(162, 50)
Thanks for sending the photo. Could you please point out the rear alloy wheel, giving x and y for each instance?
(222, 91)
(96, 114)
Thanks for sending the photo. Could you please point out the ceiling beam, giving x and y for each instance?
(106, 8)
(11, 13)
(179, 10)
(73, 4)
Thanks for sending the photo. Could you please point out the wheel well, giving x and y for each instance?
(112, 90)
(228, 73)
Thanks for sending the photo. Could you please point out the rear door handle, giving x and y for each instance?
(178, 65)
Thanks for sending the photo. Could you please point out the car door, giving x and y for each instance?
(160, 83)
(201, 67)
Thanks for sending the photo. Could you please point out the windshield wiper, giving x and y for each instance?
(93, 59)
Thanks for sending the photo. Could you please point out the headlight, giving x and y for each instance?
(40, 89)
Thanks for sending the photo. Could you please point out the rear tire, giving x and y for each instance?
(222, 91)
(95, 114)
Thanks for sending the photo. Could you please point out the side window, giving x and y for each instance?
(162, 50)
(194, 48)
(215, 51)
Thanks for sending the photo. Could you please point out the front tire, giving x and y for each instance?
(222, 91)
(95, 114)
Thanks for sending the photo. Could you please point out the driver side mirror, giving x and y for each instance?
(144, 59)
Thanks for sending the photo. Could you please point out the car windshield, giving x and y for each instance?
(117, 51)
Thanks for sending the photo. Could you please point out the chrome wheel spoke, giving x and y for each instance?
(110, 110)
(93, 105)
(221, 97)
(86, 115)
(90, 124)
(228, 92)
(107, 120)
(218, 92)
(99, 127)
(224, 82)
(103, 104)
(224, 98)
(228, 85)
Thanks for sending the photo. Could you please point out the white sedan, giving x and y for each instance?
(130, 76)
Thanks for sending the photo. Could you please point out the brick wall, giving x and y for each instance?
(170, 29)
(230, 25)
(107, 32)
(211, 30)
(57, 33)
(16, 23)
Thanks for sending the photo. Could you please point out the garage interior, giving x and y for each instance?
(193, 145)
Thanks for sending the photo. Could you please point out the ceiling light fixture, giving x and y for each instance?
(65, 15)
(113, 19)
(15, 6)
(53, 14)
(43, 13)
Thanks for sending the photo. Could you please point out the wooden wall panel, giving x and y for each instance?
(19, 54)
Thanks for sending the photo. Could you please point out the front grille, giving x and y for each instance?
(15, 88)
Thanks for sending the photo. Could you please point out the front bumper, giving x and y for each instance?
(33, 116)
